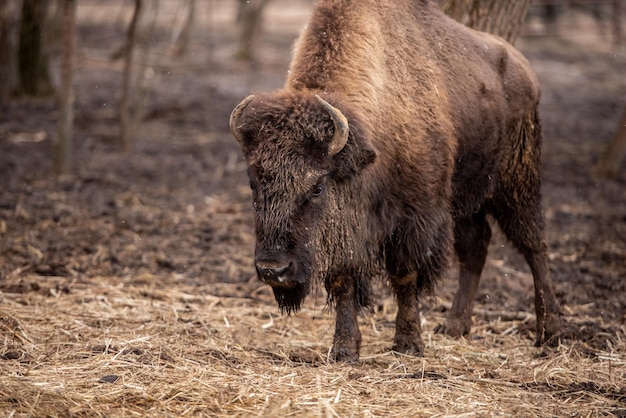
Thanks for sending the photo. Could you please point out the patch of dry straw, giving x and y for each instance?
(154, 346)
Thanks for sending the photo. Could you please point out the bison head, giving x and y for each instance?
(303, 154)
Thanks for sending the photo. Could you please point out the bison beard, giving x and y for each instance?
(398, 134)
(290, 299)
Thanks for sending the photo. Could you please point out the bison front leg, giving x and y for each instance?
(408, 338)
(347, 340)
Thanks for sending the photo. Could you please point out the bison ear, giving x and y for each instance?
(357, 154)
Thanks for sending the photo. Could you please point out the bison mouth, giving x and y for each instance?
(289, 283)
(290, 299)
(276, 274)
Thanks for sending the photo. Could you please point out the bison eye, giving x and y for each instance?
(318, 189)
(316, 192)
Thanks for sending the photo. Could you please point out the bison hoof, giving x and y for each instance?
(413, 348)
(549, 330)
(455, 327)
(406, 344)
(345, 355)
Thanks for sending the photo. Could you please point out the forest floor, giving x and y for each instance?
(127, 287)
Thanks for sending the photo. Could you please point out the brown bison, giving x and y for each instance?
(398, 132)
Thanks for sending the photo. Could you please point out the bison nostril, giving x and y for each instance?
(272, 271)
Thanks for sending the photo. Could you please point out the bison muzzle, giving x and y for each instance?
(397, 134)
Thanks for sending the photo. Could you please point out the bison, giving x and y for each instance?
(398, 133)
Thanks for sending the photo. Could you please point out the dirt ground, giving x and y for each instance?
(140, 263)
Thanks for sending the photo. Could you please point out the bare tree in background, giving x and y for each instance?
(32, 62)
(615, 151)
(182, 37)
(499, 17)
(135, 68)
(66, 92)
(8, 64)
(125, 101)
(609, 162)
(249, 17)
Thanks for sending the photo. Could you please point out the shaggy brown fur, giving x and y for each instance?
(443, 131)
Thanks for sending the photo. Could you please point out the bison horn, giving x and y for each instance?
(234, 118)
(340, 137)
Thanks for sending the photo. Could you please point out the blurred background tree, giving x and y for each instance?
(502, 18)
(8, 35)
(128, 114)
(32, 59)
(181, 35)
(66, 90)
(609, 162)
(249, 17)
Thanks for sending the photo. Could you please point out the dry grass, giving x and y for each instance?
(152, 346)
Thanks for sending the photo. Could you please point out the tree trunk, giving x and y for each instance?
(125, 102)
(66, 94)
(617, 21)
(8, 64)
(250, 14)
(182, 40)
(499, 17)
(609, 162)
(136, 62)
(32, 63)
